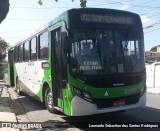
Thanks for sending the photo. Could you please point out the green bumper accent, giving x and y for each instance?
(113, 92)
(67, 98)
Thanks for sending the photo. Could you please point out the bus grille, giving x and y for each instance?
(112, 80)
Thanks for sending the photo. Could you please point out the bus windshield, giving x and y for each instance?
(103, 52)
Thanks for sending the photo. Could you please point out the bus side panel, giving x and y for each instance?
(31, 76)
(15, 74)
(68, 95)
(45, 80)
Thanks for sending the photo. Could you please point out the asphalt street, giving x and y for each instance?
(36, 112)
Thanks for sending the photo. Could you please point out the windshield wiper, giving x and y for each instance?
(99, 51)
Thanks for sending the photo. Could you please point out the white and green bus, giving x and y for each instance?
(83, 62)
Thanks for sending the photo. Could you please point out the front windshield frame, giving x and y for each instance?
(124, 40)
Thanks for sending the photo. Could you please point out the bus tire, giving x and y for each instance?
(18, 87)
(49, 101)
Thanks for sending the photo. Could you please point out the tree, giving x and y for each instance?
(3, 64)
(82, 2)
(4, 8)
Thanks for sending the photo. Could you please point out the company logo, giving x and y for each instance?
(118, 84)
(130, 91)
(106, 93)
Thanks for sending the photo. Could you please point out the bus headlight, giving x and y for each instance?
(143, 90)
(87, 96)
(82, 94)
(77, 91)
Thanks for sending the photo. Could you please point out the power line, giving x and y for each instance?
(151, 10)
(16, 31)
(15, 37)
(158, 22)
(144, 3)
(113, 1)
(38, 8)
(152, 30)
(29, 19)
(154, 15)
(137, 5)
(105, 3)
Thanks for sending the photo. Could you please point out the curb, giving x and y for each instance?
(7, 115)
(18, 107)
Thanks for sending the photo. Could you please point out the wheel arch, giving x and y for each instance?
(45, 86)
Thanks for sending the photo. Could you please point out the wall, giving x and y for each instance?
(153, 75)
(158, 49)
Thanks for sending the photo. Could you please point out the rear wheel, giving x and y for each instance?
(49, 101)
(18, 87)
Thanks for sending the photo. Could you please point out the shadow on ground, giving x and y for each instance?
(140, 115)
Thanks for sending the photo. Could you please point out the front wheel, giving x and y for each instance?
(49, 101)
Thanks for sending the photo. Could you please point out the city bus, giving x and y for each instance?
(83, 62)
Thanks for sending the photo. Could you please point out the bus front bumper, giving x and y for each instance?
(81, 107)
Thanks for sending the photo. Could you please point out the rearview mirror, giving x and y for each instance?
(67, 45)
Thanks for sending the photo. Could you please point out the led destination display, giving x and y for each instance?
(106, 19)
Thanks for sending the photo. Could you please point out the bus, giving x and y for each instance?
(83, 62)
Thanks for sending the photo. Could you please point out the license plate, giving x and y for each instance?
(119, 103)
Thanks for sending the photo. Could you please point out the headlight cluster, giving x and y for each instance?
(82, 94)
(143, 89)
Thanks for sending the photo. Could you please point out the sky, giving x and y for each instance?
(26, 16)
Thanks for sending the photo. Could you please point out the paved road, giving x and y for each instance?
(29, 109)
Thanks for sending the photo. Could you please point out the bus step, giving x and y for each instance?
(58, 108)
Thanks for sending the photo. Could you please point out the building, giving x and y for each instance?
(153, 55)
(155, 49)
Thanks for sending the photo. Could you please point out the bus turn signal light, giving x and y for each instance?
(50, 78)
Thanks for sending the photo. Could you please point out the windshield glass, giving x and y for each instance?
(102, 52)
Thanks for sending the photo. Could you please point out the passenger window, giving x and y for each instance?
(43, 45)
(26, 51)
(34, 49)
(20, 52)
(16, 54)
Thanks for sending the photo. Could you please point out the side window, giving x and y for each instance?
(137, 49)
(131, 48)
(26, 51)
(34, 49)
(43, 45)
(20, 52)
(125, 48)
(16, 54)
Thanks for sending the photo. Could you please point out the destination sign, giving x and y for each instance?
(106, 19)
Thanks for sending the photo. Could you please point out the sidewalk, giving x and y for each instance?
(6, 113)
(152, 90)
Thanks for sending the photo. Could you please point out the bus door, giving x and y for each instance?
(11, 67)
(56, 64)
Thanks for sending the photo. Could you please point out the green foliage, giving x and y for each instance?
(3, 64)
(40, 2)
(3, 69)
(3, 47)
(82, 2)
